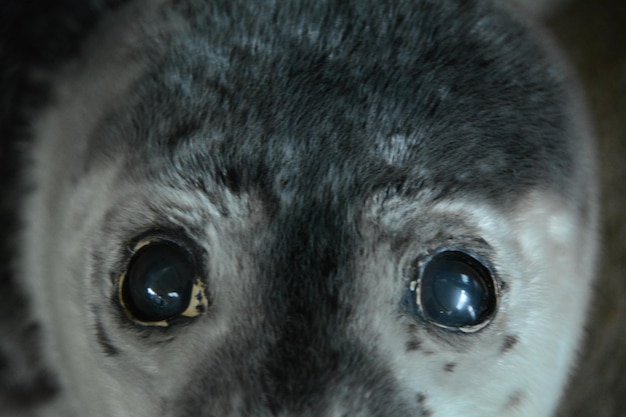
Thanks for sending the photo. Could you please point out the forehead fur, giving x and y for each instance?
(273, 96)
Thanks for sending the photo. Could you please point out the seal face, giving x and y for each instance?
(330, 208)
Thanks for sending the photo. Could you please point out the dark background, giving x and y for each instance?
(593, 34)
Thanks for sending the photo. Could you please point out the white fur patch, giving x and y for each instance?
(544, 253)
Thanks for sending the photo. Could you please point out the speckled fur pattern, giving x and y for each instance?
(312, 151)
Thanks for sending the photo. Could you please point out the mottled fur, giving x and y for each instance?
(312, 151)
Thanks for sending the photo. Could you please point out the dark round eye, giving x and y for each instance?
(159, 281)
(456, 292)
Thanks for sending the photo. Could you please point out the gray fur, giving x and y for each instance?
(313, 152)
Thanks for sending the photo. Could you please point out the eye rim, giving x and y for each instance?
(492, 283)
(198, 300)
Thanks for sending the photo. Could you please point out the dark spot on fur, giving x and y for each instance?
(449, 367)
(421, 405)
(514, 400)
(400, 242)
(25, 380)
(43, 388)
(181, 131)
(105, 341)
(413, 345)
(4, 361)
(229, 177)
(509, 343)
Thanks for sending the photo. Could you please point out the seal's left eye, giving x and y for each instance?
(456, 291)
(159, 283)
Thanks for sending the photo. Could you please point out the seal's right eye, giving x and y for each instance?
(161, 282)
